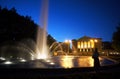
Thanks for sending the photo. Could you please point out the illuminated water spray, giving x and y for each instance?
(41, 49)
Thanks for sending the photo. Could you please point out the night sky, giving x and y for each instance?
(72, 19)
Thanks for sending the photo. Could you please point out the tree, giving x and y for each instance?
(50, 40)
(16, 27)
(116, 39)
(18, 33)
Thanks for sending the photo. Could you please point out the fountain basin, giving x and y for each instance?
(56, 62)
(54, 67)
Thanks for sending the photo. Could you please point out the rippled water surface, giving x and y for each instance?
(58, 62)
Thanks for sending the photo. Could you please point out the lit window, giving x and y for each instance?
(88, 44)
(85, 44)
(78, 44)
(92, 44)
(81, 44)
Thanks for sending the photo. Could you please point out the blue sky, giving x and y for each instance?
(72, 19)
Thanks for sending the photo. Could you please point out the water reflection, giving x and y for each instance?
(86, 62)
(67, 62)
(82, 61)
(71, 61)
(59, 62)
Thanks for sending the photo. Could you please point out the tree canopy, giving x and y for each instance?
(116, 39)
(16, 27)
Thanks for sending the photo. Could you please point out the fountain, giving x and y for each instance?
(27, 53)
(26, 59)
(41, 47)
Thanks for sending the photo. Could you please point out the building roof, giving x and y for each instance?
(86, 38)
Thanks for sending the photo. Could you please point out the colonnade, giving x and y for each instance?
(86, 46)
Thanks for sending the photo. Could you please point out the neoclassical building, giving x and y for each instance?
(86, 45)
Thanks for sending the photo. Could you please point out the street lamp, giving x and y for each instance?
(95, 42)
(68, 41)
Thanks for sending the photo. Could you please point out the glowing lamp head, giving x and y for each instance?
(8, 62)
(1, 58)
(67, 41)
(52, 63)
(23, 60)
(96, 40)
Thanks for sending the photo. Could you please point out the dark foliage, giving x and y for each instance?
(14, 27)
(50, 40)
(107, 45)
(116, 39)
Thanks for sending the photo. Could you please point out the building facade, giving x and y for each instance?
(86, 45)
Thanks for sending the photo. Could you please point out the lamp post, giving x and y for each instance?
(95, 42)
(68, 42)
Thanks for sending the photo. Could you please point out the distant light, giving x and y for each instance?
(103, 52)
(11, 56)
(8, 62)
(23, 60)
(96, 40)
(117, 53)
(74, 51)
(52, 63)
(47, 60)
(18, 58)
(91, 40)
(68, 41)
(1, 58)
(111, 53)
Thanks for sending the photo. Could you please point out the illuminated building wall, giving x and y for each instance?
(88, 44)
